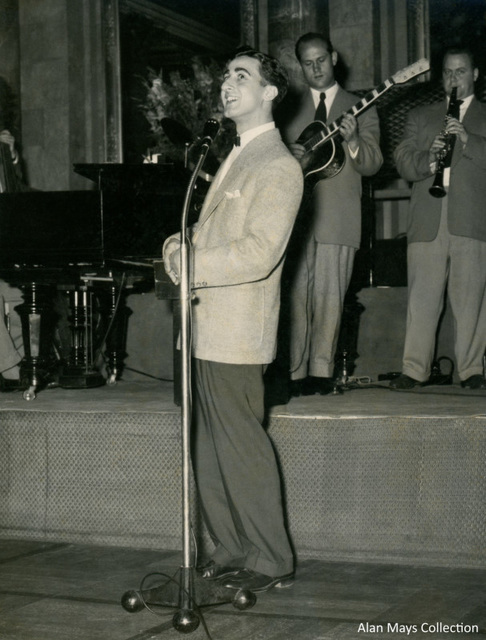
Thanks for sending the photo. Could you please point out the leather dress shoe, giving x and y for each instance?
(296, 388)
(404, 382)
(214, 571)
(316, 385)
(249, 580)
(474, 382)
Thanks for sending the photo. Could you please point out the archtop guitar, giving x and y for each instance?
(324, 155)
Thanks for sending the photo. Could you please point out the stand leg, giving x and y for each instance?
(347, 349)
(116, 314)
(186, 619)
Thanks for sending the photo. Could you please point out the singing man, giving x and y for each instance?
(238, 250)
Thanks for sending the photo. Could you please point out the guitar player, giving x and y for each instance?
(321, 272)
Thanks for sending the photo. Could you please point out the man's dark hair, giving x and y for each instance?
(460, 51)
(309, 37)
(271, 70)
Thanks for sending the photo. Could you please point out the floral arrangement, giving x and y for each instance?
(190, 102)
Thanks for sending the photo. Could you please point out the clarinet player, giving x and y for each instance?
(447, 234)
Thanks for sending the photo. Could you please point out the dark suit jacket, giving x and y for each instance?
(467, 190)
(337, 200)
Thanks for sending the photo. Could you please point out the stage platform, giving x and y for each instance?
(372, 475)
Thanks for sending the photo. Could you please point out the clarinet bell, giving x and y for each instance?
(437, 190)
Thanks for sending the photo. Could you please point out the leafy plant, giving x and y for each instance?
(190, 102)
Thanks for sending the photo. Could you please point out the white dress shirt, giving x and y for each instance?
(245, 138)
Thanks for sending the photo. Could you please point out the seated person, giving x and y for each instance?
(9, 356)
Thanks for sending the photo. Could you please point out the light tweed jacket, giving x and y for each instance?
(239, 245)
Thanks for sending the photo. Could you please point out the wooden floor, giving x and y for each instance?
(58, 591)
(71, 592)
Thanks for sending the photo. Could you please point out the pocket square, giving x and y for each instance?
(232, 194)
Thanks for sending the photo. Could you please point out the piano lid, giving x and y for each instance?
(140, 204)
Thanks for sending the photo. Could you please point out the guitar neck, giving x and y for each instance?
(332, 128)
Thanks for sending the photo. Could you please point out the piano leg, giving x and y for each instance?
(79, 371)
(38, 324)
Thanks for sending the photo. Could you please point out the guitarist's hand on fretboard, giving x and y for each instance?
(323, 157)
(349, 131)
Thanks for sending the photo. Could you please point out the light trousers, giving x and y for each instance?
(318, 289)
(457, 264)
(9, 356)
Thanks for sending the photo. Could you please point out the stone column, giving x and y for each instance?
(352, 26)
(418, 30)
(287, 21)
(62, 90)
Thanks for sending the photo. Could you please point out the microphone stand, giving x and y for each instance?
(188, 616)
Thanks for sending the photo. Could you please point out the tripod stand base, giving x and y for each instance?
(188, 595)
(79, 378)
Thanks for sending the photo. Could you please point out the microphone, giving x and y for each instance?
(210, 131)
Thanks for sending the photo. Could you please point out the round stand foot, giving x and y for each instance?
(244, 600)
(29, 394)
(185, 621)
(132, 602)
(73, 378)
(111, 380)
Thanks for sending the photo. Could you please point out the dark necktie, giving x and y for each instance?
(237, 141)
(453, 112)
(321, 111)
(455, 109)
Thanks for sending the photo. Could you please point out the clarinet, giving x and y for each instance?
(443, 156)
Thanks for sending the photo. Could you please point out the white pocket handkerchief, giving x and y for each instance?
(232, 194)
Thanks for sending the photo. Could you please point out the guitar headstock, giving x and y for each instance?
(415, 69)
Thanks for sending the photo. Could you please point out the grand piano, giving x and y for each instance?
(77, 254)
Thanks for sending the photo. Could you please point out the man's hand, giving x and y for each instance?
(453, 127)
(297, 150)
(456, 128)
(349, 131)
(438, 144)
(7, 138)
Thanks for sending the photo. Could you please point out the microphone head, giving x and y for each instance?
(211, 129)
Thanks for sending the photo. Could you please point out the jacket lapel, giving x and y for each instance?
(340, 104)
(216, 194)
(245, 159)
(470, 117)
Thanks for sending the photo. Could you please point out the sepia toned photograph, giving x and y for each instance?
(266, 214)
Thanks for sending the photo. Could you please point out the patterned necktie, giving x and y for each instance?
(321, 111)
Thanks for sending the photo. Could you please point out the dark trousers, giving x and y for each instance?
(236, 469)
